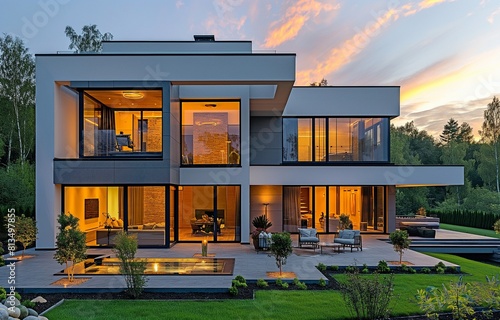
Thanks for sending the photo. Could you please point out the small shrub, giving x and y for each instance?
(236, 283)
(240, 279)
(279, 282)
(440, 264)
(351, 269)
(131, 268)
(368, 297)
(365, 270)
(3, 294)
(425, 270)
(322, 282)
(17, 295)
(233, 291)
(301, 286)
(261, 283)
(321, 267)
(382, 267)
(452, 269)
(285, 285)
(334, 268)
(28, 304)
(411, 270)
(440, 270)
(456, 297)
(295, 281)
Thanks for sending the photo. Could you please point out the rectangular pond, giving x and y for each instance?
(158, 266)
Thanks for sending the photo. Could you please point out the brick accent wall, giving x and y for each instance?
(209, 137)
(154, 204)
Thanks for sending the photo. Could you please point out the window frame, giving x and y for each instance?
(327, 142)
(82, 93)
(192, 165)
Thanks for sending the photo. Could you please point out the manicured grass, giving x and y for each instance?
(481, 232)
(269, 304)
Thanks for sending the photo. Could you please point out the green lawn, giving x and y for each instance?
(481, 232)
(267, 304)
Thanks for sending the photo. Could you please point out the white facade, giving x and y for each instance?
(190, 71)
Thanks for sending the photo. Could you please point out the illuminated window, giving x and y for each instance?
(121, 123)
(211, 133)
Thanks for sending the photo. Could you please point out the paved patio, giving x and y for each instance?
(36, 274)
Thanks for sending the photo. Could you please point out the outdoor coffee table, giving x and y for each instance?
(335, 246)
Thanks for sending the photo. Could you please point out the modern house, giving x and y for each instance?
(180, 141)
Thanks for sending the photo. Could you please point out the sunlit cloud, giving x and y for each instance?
(295, 17)
(492, 15)
(343, 54)
(347, 50)
(430, 3)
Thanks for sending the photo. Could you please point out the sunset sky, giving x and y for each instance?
(445, 55)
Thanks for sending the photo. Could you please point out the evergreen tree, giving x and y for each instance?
(450, 131)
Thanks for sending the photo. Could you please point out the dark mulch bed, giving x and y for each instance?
(243, 293)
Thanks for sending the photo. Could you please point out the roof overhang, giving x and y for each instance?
(400, 176)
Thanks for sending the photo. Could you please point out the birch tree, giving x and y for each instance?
(89, 41)
(490, 132)
(17, 90)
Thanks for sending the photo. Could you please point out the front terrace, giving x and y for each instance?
(36, 274)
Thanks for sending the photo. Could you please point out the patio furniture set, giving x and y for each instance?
(342, 239)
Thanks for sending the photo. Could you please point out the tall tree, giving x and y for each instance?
(490, 133)
(465, 133)
(89, 41)
(450, 131)
(457, 133)
(17, 88)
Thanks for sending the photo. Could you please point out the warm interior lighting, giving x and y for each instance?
(132, 95)
(155, 267)
(91, 122)
(265, 209)
(213, 122)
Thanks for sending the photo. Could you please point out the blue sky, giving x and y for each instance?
(445, 55)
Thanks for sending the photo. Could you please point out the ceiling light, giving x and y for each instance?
(210, 105)
(134, 95)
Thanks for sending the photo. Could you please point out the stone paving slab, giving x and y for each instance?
(37, 272)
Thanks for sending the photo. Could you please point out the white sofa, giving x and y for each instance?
(351, 238)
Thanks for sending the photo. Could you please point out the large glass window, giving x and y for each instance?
(210, 133)
(99, 210)
(146, 214)
(320, 207)
(121, 123)
(197, 218)
(346, 139)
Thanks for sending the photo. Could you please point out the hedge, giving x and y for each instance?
(475, 219)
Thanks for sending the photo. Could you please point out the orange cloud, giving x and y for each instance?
(430, 3)
(294, 19)
(343, 54)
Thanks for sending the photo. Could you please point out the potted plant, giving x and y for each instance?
(345, 222)
(261, 224)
